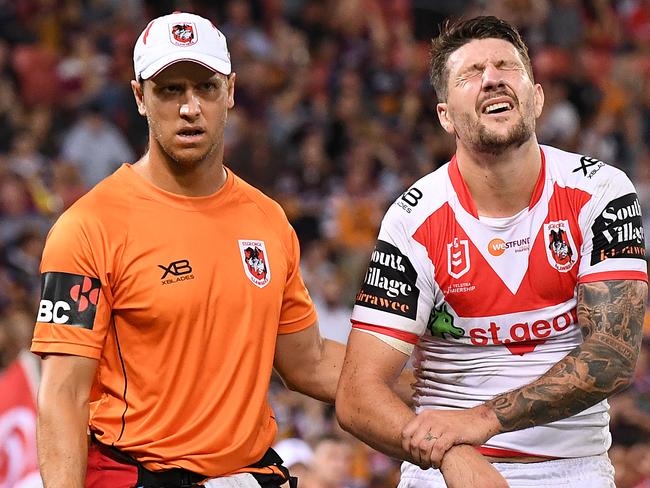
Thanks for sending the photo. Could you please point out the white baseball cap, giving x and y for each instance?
(177, 37)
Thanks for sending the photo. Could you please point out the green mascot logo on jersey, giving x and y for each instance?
(441, 322)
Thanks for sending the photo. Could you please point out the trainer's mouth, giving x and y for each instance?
(190, 132)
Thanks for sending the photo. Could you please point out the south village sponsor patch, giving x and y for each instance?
(618, 230)
(389, 284)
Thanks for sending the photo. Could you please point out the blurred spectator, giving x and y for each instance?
(332, 464)
(21, 259)
(18, 208)
(565, 23)
(630, 421)
(66, 184)
(35, 67)
(297, 456)
(240, 28)
(83, 70)
(559, 124)
(18, 376)
(24, 158)
(637, 19)
(95, 146)
(334, 308)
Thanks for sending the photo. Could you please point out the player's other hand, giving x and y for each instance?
(463, 466)
(433, 432)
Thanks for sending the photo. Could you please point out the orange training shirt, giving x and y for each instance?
(180, 299)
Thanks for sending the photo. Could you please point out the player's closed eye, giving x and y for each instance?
(478, 69)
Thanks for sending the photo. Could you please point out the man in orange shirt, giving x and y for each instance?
(169, 293)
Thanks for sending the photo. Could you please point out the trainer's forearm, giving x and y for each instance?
(62, 441)
(611, 317)
(319, 377)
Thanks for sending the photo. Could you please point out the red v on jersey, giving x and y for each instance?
(480, 278)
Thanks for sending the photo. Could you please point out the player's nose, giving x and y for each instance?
(492, 77)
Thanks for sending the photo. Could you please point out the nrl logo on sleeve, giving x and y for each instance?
(560, 247)
(618, 230)
(390, 282)
(255, 259)
(68, 299)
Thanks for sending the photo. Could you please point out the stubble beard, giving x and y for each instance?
(176, 162)
(492, 143)
(181, 163)
(484, 140)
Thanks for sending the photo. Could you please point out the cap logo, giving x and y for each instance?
(183, 34)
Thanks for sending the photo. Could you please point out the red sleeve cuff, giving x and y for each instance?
(387, 331)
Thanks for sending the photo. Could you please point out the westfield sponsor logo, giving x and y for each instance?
(498, 246)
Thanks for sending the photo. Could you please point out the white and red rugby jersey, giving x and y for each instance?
(490, 303)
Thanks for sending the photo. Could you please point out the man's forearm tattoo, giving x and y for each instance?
(610, 315)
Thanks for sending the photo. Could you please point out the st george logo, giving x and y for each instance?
(183, 34)
(256, 261)
(458, 257)
(560, 248)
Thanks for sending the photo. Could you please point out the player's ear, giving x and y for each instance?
(539, 100)
(443, 117)
(138, 94)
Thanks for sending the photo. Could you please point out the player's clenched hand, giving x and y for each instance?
(433, 432)
(463, 466)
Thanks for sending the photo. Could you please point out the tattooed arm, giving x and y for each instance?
(610, 315)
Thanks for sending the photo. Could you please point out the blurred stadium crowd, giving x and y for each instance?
(334, 117)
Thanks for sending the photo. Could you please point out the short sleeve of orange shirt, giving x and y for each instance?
(75, 308)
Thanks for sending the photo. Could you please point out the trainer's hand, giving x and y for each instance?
(463, 466)
(433, 432)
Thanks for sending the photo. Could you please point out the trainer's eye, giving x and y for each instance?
(208, 86)
(171, 89)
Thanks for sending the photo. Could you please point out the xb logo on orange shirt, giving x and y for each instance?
(176, 268)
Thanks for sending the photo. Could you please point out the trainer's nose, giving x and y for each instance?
(192, 106)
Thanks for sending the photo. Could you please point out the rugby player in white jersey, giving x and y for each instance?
(514, 276)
